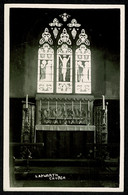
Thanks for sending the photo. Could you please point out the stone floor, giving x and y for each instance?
(71, 183)
(65, 176)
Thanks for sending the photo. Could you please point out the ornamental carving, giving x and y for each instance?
(64, 16)
(64, 113)
(46, 37)
(64, 38)
(45, 50)
(74, 33)
(69, 45)
(83, 38)
(83, 50)
(73, 23)
(64, 49)
(55, 23)
(55, 32)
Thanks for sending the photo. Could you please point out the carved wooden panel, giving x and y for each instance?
(64, 111)
(100, 121)
(28, 123)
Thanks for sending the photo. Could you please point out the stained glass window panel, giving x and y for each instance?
(45, 69)
(64, 69)
(83, 70)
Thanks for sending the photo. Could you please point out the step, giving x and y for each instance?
(68, 173)
(66, 162)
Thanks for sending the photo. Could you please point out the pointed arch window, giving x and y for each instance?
(64, 69)
(45, 69)
(64, 58)
(83, 70)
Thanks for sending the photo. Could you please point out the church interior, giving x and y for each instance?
(64, 97)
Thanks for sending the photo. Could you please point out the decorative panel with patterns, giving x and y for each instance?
(28, 123)
(64, 51)
(100, 121)
(64, 111)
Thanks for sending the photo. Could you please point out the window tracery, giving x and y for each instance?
(46, 37)
(73, 23)
(83, 38)
(55, 23)
(64, 16)
(64, 38)
(63, 55)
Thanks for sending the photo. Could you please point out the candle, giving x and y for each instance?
(27, 101)
(72, 105)
(56, 105)
(64, 106)
(48, 105)
(106, 107)
(88, 106)
(80, 106)
(40, 104)
(103, 98)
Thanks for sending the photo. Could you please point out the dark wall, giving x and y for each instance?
(24, 64)
(103, 29)
(113, 124)
(26, 28)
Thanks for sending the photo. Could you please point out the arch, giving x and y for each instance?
(64, 50)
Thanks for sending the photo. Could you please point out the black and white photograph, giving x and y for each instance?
(64, 94)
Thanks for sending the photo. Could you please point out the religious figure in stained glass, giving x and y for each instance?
(83, 70)
(55, 56)
(45, 69)
(64, 69)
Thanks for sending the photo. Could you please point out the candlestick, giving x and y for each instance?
(103, 102)
(27, 101)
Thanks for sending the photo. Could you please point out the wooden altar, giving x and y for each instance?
(66, 132)
(65, 124)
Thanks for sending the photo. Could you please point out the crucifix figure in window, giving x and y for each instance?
(64, 61)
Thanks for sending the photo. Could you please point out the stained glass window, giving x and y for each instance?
(83, 70)
(64, 51)
(64, 69)
(45, 69)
